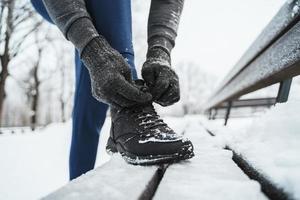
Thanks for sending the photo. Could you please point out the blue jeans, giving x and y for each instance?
(112, 19)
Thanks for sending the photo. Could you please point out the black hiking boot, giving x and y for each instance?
(141, 137)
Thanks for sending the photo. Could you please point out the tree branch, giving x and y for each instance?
(15, 50)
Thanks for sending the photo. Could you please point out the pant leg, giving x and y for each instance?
(40, 8)
(112, 20)
(88, 119)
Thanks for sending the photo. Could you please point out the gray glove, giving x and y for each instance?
(163, 23)
(160, 78)
(110, 74)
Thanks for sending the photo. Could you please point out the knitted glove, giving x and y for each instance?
(110, 75)
(160, 78)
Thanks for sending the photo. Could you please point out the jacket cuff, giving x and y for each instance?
(81, 32)
(161, 42)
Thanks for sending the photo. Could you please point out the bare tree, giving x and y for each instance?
(32, 82)
(62, 100)
(18, 21)
(65, 67)
(35, 89)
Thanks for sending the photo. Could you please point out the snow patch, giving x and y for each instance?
(271, 142)
(295, 10)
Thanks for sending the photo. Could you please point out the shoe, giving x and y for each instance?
(142, 138)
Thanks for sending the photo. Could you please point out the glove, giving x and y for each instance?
(160, 78)
(111, 80)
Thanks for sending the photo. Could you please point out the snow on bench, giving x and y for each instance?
(211, 174)
(114, 180)
(270, 144)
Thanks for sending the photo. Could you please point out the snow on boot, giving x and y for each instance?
(141, 137)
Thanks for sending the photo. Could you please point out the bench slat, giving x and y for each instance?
(114, 180)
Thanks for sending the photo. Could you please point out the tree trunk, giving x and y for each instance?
(5, 57)
(62, 101)
(63, 117)
(3, 76)
(35, 94)
(34, 106)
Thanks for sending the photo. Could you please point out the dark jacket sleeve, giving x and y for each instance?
(73, 20)
(163, 23)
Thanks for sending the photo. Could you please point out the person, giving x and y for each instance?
(106, 77)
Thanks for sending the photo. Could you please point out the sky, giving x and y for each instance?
(215, 34)
(219, 32)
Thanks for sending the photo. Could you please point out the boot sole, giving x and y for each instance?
(185, 153)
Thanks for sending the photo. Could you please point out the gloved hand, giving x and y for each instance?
(160, 78)
(110, 75)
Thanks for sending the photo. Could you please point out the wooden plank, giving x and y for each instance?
(211, 174)
(114, 180)
(279, 62)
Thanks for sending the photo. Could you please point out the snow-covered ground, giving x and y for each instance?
(34, 164)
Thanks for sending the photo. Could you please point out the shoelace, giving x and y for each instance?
(148, 118)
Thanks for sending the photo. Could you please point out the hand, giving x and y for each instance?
(160, 78)
(110, 75)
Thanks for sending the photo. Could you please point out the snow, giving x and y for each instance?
(270, 142)
(36, 163)
(161, 62)
(295, 10)
(27, 162)
(166, 138)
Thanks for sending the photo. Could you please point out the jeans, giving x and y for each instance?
(112, 19)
